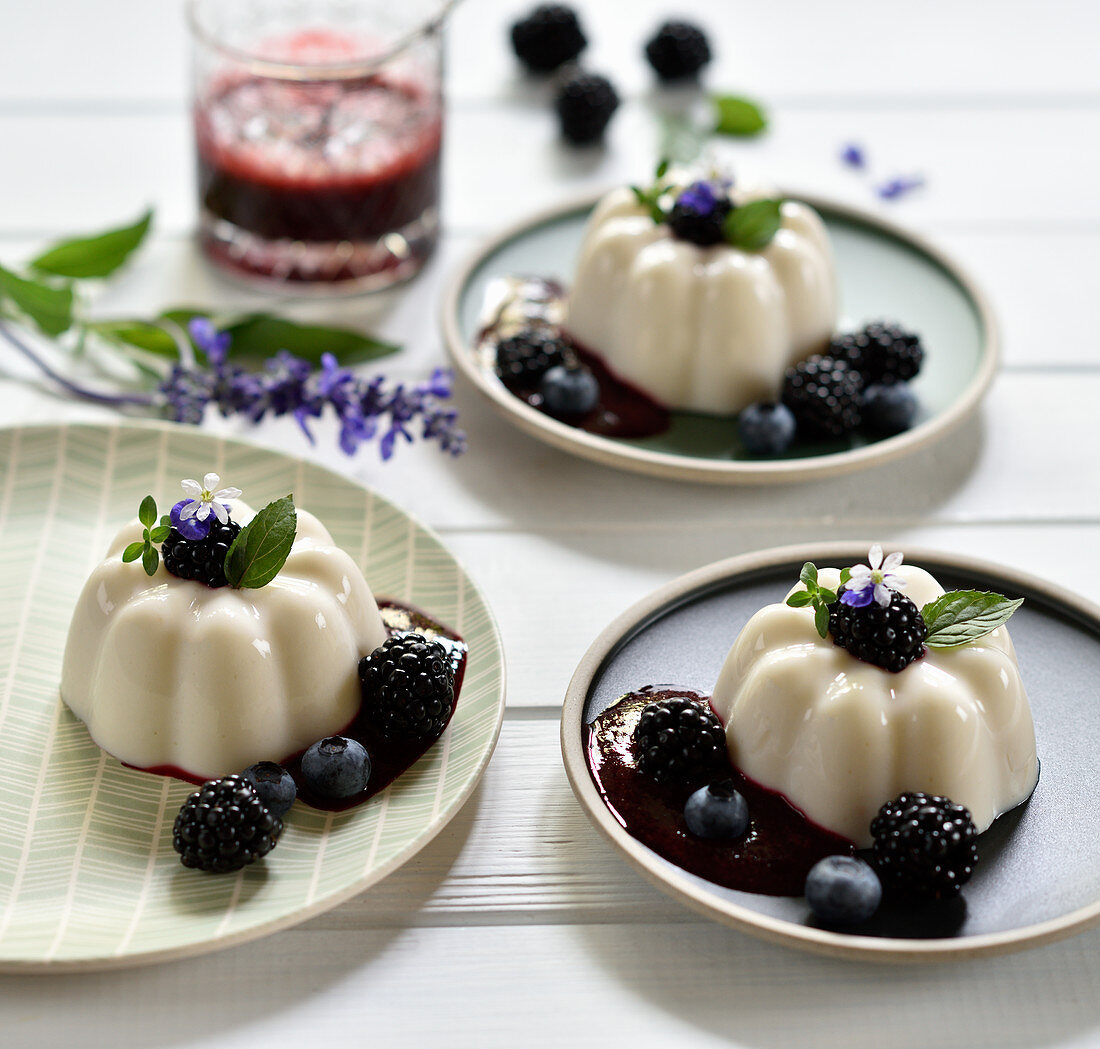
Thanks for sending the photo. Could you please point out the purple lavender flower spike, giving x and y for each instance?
(190, 528)
(852, 156)
(215, 344)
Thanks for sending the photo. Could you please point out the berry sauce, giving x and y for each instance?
(772, 858)
(622, 410)
(389, 758)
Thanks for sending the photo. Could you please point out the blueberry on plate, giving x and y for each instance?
(717, 811)
(336, 767)
(274, 785)
(889, 407)
(569, 391)
(766, 428)
(843, 890)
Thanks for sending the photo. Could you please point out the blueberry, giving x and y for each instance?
(717, 811)
(766, 429)
(569, 391)
(889, 407)
(843, 890)
(336, 767)
(274, 785)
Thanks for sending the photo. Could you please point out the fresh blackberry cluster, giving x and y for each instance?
(880, 352)
(202, 560)
(679, 741)
(548, 37)
(700, 226)
(823, 394)
(678, 50)
(224, 826)
(925, 846)
(524, 358)
(585, 105)
(889, 636)
(408, 687)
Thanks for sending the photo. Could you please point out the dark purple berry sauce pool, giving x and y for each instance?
(389, 758)
(772, 858)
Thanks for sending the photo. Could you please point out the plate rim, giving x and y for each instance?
(678, 885)
(619, 455)
(31, 967)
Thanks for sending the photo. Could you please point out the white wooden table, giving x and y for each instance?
(518, 926)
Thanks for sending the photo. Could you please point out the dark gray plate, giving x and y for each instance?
(1039, 875)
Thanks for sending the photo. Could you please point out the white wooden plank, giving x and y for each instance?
(72, 172)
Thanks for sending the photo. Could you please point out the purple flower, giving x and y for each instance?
(899, 186)
(853, 156)
(190, 527)
(289, 385)
(874, 580)
(699, 197)
(214, 343)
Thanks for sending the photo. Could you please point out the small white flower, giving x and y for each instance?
(874, 580)
(206, 499)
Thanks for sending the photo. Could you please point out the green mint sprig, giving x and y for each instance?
(961, 616)
(753, 226)
(650, 197)
(154, 534)
(262, 546)
(738, 116)
(818, 596)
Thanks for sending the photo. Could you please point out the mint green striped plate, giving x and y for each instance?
(88, 877)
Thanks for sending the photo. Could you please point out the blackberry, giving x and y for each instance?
(585, 105)
(880, 352)
(925, 846)
(408, 687)
(678, 740)
(889, 636)
(202, 560)
(678, 50)
(824, 395)
(548, 37)
(524, 358)
(702, 226)
(224, 826)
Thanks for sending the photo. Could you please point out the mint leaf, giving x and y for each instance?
(821, 619)
(752, 226)
(800, 599)
(139, 334)
(133, 552)
(147, 512)
(150, 559)
(160, 533)
(814, 594)
(98, 255)
(50, 308)
(845, 575)
(960, 616)
(808, 575)
(739, 116)
(262, 546)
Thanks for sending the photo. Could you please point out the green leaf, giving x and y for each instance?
(261, 335)
(98, 255)
(808, 575)
(845, 575)
(752, 226)
(960, 616)
(50, 308)
(662, 168)
(160, 533)
(800, 599)
(147, 512)
(142, 335)
(133, 552)
(821, 620)
(262, 546)
(826, 595)
(739, 116)
(150, 559)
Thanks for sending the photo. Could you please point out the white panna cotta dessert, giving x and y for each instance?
(166, 671)
(839, 737)
(700, 312)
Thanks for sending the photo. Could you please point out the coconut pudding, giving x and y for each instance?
(701, 294)
(207, 679)
(837, 735)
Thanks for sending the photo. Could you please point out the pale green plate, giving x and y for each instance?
(884, 272)
(88, 877)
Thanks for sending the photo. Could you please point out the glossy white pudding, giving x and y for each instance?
(839, 737)
(168, 672)
(704, 329)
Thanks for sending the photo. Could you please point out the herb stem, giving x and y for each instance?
(113, 399)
